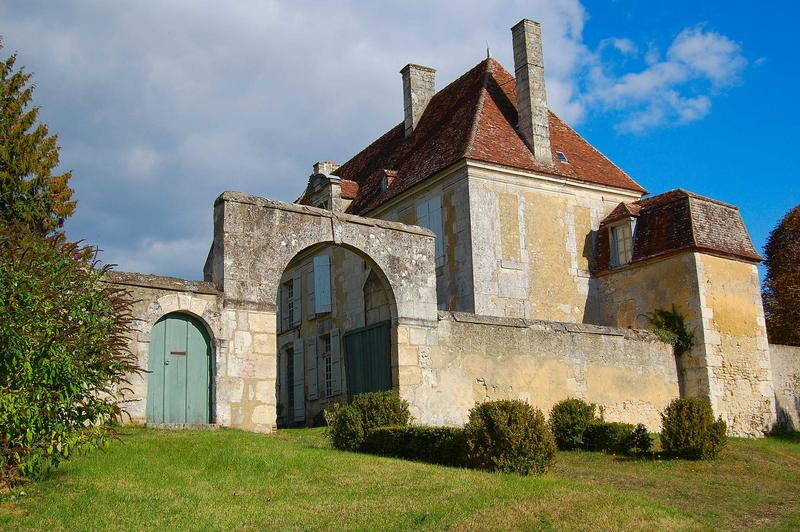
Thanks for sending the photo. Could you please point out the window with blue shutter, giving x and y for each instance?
(322, 284)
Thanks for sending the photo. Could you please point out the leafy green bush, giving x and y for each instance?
(435, 445)
(641, 441)
(345, 427)
(509, 436)
(65, 361)
(670, 327)
(568, 420)
(608, 437)
(689, 430)
(348, 425)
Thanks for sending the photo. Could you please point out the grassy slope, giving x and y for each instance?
(231, 479)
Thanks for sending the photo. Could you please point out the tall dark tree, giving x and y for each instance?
(782, 283)
(31, 196)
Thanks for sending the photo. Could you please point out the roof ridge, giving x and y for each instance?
(478, 106)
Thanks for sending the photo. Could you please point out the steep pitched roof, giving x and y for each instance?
(472, 118)
(679, 220)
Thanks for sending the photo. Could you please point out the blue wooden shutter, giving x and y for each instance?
(422, 214)
(309, 284)
(311, 368)
(298, 383)
(297, 298)
(336, 364)
(322, 284)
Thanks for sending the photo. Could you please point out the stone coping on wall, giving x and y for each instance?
(554, 326)
(259, 201)
(161, 282)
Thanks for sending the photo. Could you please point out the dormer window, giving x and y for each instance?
(622, 242)
(562, 157)
(387, 178)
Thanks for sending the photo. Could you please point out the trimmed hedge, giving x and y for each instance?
(435, 445)
(689, 430)
(509, 436)
(568, 420)
(608, 437)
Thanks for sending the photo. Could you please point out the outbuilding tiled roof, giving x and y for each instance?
(472, 118)
(679, 220)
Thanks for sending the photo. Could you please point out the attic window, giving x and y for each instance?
(562, 157)
(622, 243)
(387, 178)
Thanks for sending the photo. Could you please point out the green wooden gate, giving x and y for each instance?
(368, 359)
(179, 385)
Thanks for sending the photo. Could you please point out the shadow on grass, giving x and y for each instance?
(786, 437)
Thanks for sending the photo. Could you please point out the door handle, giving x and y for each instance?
(166, 362)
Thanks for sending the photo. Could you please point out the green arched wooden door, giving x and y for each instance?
(179, 385)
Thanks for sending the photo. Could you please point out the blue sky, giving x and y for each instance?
(160, 106)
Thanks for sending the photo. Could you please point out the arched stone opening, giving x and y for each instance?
(335, 313)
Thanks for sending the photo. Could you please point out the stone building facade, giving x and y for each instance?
(480, 249)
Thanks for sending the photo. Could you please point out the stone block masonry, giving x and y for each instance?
(785, 361)
(470, 359)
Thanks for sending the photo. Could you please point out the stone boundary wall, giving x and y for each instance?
(243, 345)
(475, 358)
(785, 361)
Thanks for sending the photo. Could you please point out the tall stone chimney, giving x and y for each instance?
(531, 95)
(419, 86)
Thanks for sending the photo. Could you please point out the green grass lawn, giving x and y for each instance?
(230, 479)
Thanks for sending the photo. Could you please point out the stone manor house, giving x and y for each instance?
(480, 249)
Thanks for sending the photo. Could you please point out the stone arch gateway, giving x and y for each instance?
(256, 238)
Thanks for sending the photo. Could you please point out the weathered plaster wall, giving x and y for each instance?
(243, 363)
(626, 295)
(785, 362)
(533, 244)
(454, 277)
(721, 301)
(735, 341)
(473, 358)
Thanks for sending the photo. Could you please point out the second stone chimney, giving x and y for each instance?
(533, 121)
(419, 86)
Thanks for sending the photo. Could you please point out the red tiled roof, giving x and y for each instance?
(679, 220)
(349, 189)
(472, 118)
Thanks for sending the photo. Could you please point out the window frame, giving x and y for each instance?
(628, 224)
(327, 365)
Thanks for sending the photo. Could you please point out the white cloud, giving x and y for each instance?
(709, 54)
(162, 105)
(675, 90)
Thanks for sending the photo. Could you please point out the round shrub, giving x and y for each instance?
(381, 409)
(509, 436)
(568, 420)
(689, 430)
(348, 425)
(345, 427)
